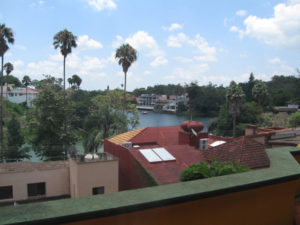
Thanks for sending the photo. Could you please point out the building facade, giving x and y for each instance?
(78, 177)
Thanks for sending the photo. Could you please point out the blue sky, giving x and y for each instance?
(177, 41)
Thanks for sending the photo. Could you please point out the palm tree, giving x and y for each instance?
(126, 55)
(6, 37)
(234, 96)
(260, 92)
(8, 67)
(76, 80)
(64, 40)
(26, 81)
(70, 81)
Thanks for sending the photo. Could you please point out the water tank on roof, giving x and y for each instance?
(189, 125)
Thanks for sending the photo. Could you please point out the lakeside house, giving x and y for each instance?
(161, 102)
(18, 95)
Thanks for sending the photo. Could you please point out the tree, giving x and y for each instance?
(234, 96)
(50, 121)
(77, 81)
(70, 81)
(106, 118)
(260, 92)
(15, 140)
(6, 37)
(126, 55)
(26, 81)
(294, 120)
(64, 40)
(193, 91)
(8, 67)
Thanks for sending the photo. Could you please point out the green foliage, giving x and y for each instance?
(260, 92)
(10, 79)
(106, 119)
(15, 140)
(283, 89)
(294, 120)
(126, 55)
(47, 119)
(13, 108)
(65, 41)
(214, 169)
(247, 88)
(8, 67)
(161, 89)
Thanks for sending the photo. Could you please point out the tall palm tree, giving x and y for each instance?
(70, 81)
(65, 41)
(8, 67)
(234, 96)
(260, 92)
(126, 55)
(6, 37)
(76, 80)
(26, 81)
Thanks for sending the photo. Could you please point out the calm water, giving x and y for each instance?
(153, 119)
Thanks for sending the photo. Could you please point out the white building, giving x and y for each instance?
(18, 95)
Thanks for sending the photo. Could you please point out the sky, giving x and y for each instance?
(177, 41)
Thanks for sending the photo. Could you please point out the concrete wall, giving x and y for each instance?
(57, 182)
(89, 174)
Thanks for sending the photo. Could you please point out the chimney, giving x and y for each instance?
(190, 133)
(203, 144)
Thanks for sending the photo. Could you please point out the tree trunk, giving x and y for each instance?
(26, 97)
(233, 124)
(124, 105)
(1, 109)
(65, 114)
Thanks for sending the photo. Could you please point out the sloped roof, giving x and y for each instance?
(125, 137)
(244, 150)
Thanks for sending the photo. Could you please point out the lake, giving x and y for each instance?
(153, 119)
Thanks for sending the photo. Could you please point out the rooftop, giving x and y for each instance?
(244, 150)
(17, 167)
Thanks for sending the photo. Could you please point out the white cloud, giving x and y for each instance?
(84, 42)
(241, 13)
(18, 63)
(280, 30)
(173, 26)
(194, 72)
(100, 5)
(147, 72)
(145, 43)
(274, 60)
(118, 42)
(158, 61)
(207, 52)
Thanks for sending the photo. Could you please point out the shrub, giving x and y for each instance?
(214, 169)
(294, 120)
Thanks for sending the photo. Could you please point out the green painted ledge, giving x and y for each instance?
(283, 168)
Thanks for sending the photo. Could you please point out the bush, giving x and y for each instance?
(214, 169)
(294, 120)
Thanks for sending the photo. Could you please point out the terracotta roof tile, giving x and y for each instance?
(244, 150)
(125, 137)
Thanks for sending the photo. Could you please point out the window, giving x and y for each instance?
(6, 192)
(98, 190)
(36, 189)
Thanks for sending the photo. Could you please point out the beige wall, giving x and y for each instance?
(57, 182)
(89, 174)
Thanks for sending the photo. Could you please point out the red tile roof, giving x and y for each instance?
(243, 149)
